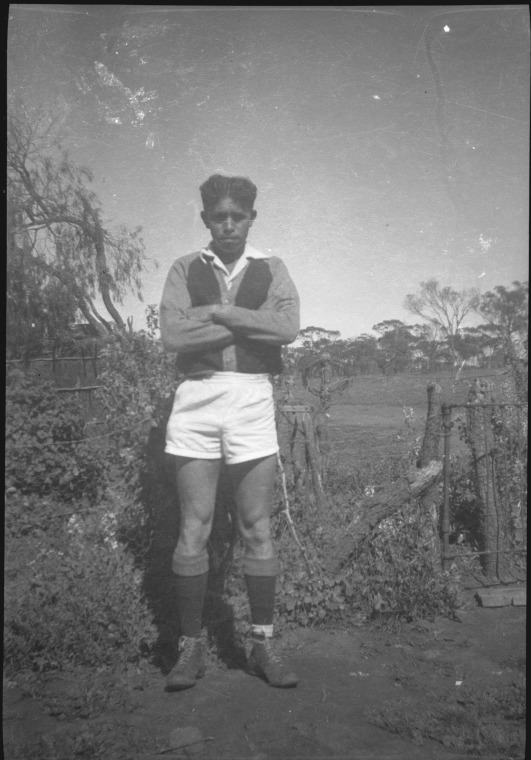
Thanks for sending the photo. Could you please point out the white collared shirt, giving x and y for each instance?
(248, 253)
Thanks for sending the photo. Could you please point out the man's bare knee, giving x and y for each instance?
(193, 537)
(256, 536)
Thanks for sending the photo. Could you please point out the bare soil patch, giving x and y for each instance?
(364, 692)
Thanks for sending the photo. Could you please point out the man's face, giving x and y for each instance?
(229, 224)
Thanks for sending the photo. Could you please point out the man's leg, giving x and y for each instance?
(253, 489)
(196, 488)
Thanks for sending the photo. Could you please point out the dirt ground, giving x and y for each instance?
(346, 676)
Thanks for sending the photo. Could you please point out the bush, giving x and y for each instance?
(73, 597)
(391, 577)
(47, 450)
(138, 381)
(401, 578)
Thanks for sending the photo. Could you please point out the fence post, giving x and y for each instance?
(299, 417)
(327, 369)
(445, 521)
(480, 430)
(313, 457)
(430, 452)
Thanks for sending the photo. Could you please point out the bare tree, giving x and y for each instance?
(444, 308)
(55, 222)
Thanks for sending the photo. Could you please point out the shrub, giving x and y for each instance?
(391, 576)
(47, 450)
(73, 597)
(138, 381)
(401, 577)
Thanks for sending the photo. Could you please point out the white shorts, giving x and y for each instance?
(228, 415)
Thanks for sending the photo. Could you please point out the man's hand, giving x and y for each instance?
(211, 313)
(219, 312)
(201, 313)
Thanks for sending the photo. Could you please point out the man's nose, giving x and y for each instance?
(228, 224)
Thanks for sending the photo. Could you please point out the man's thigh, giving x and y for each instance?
(253, 482)
(197, 481)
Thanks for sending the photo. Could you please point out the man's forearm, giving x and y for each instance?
(266, 325)
(185, 336)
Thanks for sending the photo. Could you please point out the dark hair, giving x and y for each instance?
(217, 187)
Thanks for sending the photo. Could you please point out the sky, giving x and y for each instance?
(389, 144)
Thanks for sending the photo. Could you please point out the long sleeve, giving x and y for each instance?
(180, 330)
(277, 321)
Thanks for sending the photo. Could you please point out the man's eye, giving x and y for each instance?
(218, 218)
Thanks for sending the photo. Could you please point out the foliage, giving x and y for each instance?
(56, 234)
(73, 597)
(402, 578)
(507, 314)
(394, 345)
(444, 308)
(47, 449)
(138, 381)
(37, 308)
(399, 347)
(316, 338)
(392, 575)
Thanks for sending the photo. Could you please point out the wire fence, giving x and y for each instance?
(497, 440)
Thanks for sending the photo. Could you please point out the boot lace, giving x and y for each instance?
(272, 653)
(186, 649)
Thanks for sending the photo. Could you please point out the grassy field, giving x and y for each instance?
(368, 420)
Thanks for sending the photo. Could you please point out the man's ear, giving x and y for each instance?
(253, 215)
(204, 217)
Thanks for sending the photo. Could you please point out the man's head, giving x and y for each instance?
(228, 213)
(217, 187)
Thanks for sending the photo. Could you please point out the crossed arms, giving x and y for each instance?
(187, 329)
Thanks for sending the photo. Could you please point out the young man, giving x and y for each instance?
(226, 310)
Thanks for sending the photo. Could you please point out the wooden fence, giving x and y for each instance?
(496, 435)
(64, 370)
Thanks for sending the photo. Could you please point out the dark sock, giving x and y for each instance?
(261, 591)
(190, 594)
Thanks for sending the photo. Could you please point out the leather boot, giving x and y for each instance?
(265, 662)
(190, 665)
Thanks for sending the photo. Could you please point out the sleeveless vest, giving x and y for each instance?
(252, 356)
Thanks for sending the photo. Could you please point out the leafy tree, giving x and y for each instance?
(444, 308)
(469, 342)
(507, 313)
(361, 354)
(425, 344)
(316, 338)
(394, 345)
(60, 256)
